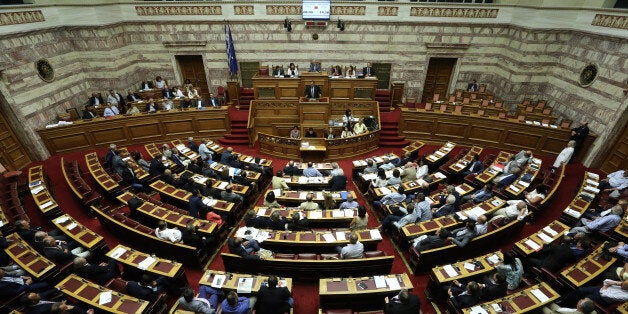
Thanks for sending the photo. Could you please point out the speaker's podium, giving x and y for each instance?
(313, 149)
(314, 110)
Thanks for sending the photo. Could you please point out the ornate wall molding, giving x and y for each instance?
(155, 10)
(22, 17)
(187, 43)
(243, 10)
(387, 11)
(453, 12)
(348, 10)
(610, 21)
(283, 10)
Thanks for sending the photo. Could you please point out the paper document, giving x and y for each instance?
(545, 237)
(261, 211)
(37, 190)
(302, 180)
(118, 252)
(34, 183)
(337, 213)
(209, 201)
(469, 266)
(146, 263)
(478, 310)
(440, 175)
(329, 238)
(61, 219)
(349, 212)
(493, 259)
(572, 212)
(219, 281)
(595, 176)
(539, 295)
(550, 231)
(592, 182)
(380, 281)
(375, 235)
(523, 183)
(533, 245)
(105, 297)
(315, 214)
(341, 236)
(393, 284)
(223, 185)
(46, 204)
(303, 195)
(514, 188)
(245, 285)
(451, 272)
(592, 189)
(71, 226)
(459, 190)
(384, 190)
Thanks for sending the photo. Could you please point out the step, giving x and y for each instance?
(226, 141)
(394, 144)
(237, 136)
(239, 131)
(385, 138)
(386, 133)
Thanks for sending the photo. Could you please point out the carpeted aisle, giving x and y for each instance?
(305, 295)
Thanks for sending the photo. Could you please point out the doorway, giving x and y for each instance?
(13, 154)
(192, 68)
(438, 76)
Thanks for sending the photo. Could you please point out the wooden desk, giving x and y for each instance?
(41, 195)
(462, 163)
(347, 293)
(360, 164)
(218, 184)
(410, 231)
(520, 302)
(307, 183)
(136, 129)
(415, 146)
(158, 267)
(318, 165)
(579, 204)
(232, 280)
(496, 168)
(299, 196)
(587, 269)
(251, 160)
(488, 132)
(309, 241)
(184, 150)
(555, 230)
(184, 196)
(89, 293)
(465, 269)
(140, 173)
(315, 150)
(99, 174)
(323, 217)
(79, 233)
(254, 176)
(158, 213)
(517, 188)
(36, 265)
(440, 154)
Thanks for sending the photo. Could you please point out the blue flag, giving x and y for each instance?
(231, 56)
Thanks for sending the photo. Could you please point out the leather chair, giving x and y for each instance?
(307, 256)
(117, 284)
(284, 256)
(339, 311)
(374, 254)
(326, 256)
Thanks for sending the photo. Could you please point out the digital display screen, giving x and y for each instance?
(316, 9)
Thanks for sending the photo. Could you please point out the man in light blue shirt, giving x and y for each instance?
(310, 171)
(601, 224)
(350, 203)
(386, 165)
(479, 196)
(392, 198)
(616, 181)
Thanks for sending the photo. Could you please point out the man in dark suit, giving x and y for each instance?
(299, 222)
(494, 287)
(62, 253)
(24, 230)
(507, 179)
(11, 286)
(88, 112)
(431, 241)
(100, 273)
(313, 91)
(272, 299)
(185, 103)
(147, 288)
(403, 303)
(463, 235)
(475, 166)
(243, 248)
(291, 170)
(96, 99)
(36, 303)
(278, 71)
(338, 182)
(554, 257)
(213, 100)
(156, 166)
(132, 96)
(146, 85)
(463, 297)
(166, 92)
(579, 134)
(368, 70)
(473, 86)
(315, 66)
(192, 144)
(196, 207)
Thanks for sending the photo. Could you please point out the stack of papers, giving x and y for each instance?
(545, 237)
(61, 219)
(245, 285)
(493, 259)
(105, 297)
(479, 310)
(393, 284)
(450, 271)
(514, 188)
(209, 201)
(341, 236)
(37, 190)
(469, 266)
(34, 183)
(459, 190)
(146, 263)
(46, 204)
(329, 238)
(384, 190)
(380, 282)
(71, 226)
(315, 214)
(550, 231)
(219, 281)
(222, 185)
(532, 245)
(439, 175)
(595, 176)
(572, 212)
(539, 295)
(349, 212)
(337, 213)
(118, 252)
(375, 235)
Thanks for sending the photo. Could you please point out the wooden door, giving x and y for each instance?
(12, 153)
(616, 158)
(192, 68)
(438, 76)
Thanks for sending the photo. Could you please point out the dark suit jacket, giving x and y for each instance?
(185, 104)
(130, 98)
(338, 183)
(133, 288)
(463, 301)
(27, 234)
(476, 167)
(370, 70)
(156, 167)
(413, 306)
(58, 256)
(97, 273)
(214, 102)
(155, 105)
(308, 91)
(196, 206)
(149, 83)
(300, 225)
(109, 157)
(444, 211)
(193, 146)
(278, 72)
(11, 289)
(291, 171)
(273, 300)
(239, 250)
(92, 100)
(473, 87)
(431, 242)
(166, 93)
(88, 114)
(493, 290)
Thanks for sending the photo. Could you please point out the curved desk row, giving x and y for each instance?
(324, 149)
(488, 132)
(126, 130)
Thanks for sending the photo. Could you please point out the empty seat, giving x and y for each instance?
(307, 256)
(117, 284)
(374, 254)
(339, 311)
(329, 255)
(284, 256)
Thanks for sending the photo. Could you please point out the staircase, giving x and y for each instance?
(389, 134)
(246, 95)
(383, 97)
(239, 133)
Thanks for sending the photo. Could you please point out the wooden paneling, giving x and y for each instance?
(617, 155)
(292, 88)
(439, 127)
(12, 153)
(437, 78)
(136, 129)
(192, 68)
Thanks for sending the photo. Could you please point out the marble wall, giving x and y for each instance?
(515, 60)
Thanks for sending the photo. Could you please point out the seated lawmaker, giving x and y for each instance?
(368, 70)
(315, 66)
(168, 234)
(338, 182)
(88, 112)
(473, 86)
(354, 249)
(464, 296)
(273, 299)
(616, 181)
(293, 71)
(555, 256)
(244, 248)
(475, 166)
(98, 273)
(295, 132)
(237, 305)
(201, 304)
(309, 203)
(278, 71)
(611, 291)
(310, 171)
(404, 302)
(310, 133)
(229, 196)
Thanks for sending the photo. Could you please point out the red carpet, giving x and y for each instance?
(306, 300)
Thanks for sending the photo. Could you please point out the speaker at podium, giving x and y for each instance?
(371, 123)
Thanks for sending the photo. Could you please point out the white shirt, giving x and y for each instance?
(172, 235)
(294, 72)
(179, 94)
(110, 112)
(421, 171)
(160, 84)
(563, 157)
(114, 99)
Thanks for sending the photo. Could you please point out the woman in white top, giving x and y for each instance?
(422, 169)
(381, 179)
(159, 82)
(537, 195)
(360, 127)
(292, 70)
(565, 154)
(178, 93)
(295, 132)
(346, 133)
(193, 93)
(350, 73)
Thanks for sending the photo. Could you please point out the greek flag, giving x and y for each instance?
(231, 56)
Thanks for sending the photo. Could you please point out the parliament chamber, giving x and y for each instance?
(239, 157)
